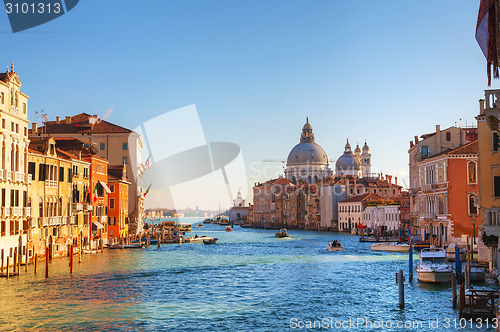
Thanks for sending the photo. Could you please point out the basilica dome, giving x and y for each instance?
(307, 151)
(348, 163)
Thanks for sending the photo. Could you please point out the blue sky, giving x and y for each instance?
(383, 71)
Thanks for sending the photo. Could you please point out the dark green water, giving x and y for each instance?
(250, 281)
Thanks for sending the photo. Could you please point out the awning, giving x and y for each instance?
(98, 224)
(105, 186)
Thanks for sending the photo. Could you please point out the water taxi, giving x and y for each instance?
(334, 246)
(391, 247)
(197, 239)
(281, 233)
(433, 266)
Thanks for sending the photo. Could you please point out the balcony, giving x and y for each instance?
(55, 221)
(19, 177)
(27, 212)
(44, 221)
(103, 219)
(16, 211)
(1, 174)
(9, 175)
(51, 183)
(29, 178)
(73, 220)
(5, 211)
(77, 207)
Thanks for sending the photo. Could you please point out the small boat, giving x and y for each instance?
(229, 229)
(207, 221)
(197, 239)
(199, 225)
(125, 246)
(210, 241)
(144, 241)
(391, 247)
(419, 244)
(334, 246)
(433, 266)
(282, 233)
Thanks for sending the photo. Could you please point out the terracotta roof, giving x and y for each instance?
(362, 198)
(470, 148)
(81, 123)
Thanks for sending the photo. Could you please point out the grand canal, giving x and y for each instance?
(250, 281)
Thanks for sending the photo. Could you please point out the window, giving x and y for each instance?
(85, 172)
(25, 131)
(24, 108)
(473, 204)
(32, 169)
(471, 171)
(102, 146)
(75, 170)
(3, 123)
(124, 146)
(17, 128)
(112, 188)
(448, 136)
(112, 203)
(424, 151)
(61, 174)
(42, 172)
(70, 175)
(496, 185)
(3, 197)
(2, 98)
(496, 141)
(12, 126)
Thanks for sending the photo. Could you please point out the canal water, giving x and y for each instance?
(249, 281)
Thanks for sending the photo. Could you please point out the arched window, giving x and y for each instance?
(471, 172)
(309, 179)
(472, 204)
(40, 207)
(448, 136)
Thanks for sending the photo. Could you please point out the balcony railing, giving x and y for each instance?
(29, 178)
(55, 221)
(19, 177)
(44, 221)
(51, 183)
(73, 220)
(5, 211)
(9, 175)
(103, 219)
(77, 207)
(1, 174)
(16, 211)
(27, 212)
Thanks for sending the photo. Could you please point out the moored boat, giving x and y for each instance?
(281, 233)
(144, 241)
(477, 272)
(210, 241)
(229, 229)
(124, 246)
(433, 266)
(335, 246)
(450, 252)
(390, 246)
(419, 244)
(197, 239)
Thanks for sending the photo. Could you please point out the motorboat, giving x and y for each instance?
(334, 246)
(390, 246)
(197, 239)
(229, 229)
(281, 233)
(433, 266)
(210, 241)
(144, 240)
(420, 244)
(199, 225)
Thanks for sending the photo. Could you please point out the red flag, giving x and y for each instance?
(486, 35)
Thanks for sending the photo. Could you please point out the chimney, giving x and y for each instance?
(34, 127)
(396, 180)
(67, 120)
(416, 139)
(58, 119)
(389, 179)
(411, 144)
(438, 129)
(481, 106)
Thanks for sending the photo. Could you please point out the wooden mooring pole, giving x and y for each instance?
(454, 290)
(8, 267)
(401, 280)
(36, 260)
(15, 261)
(46, 262)
(71, 259)
(410, 263)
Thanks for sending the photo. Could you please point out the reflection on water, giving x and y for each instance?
(249, 281)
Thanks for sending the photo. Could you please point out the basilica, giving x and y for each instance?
(307, 161)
